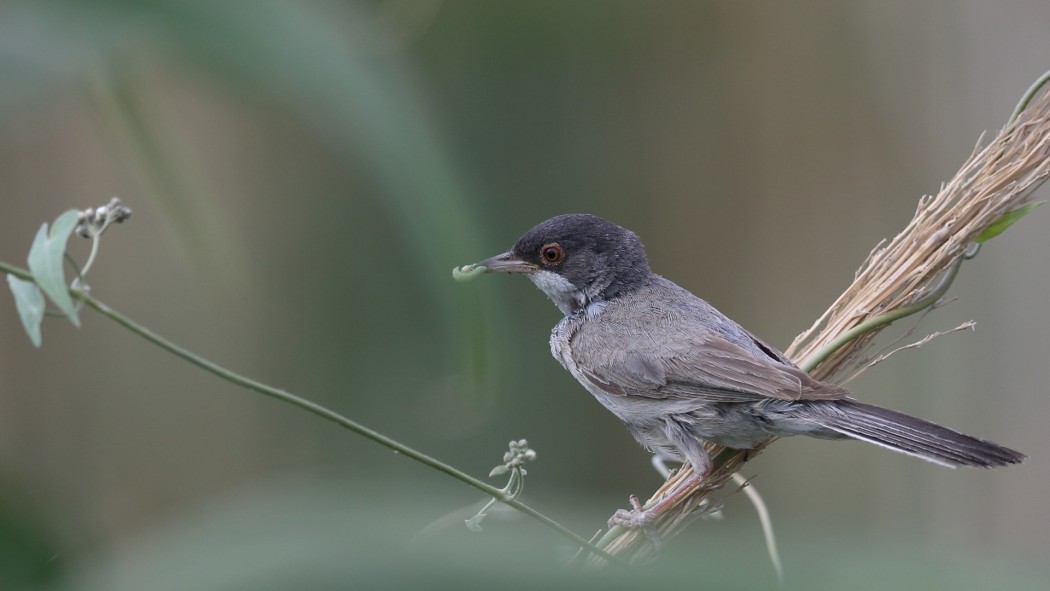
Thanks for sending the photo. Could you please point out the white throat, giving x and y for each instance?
(560, 290)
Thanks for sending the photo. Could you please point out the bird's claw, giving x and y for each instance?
(631, 518)
(637, 518)
(635, 503)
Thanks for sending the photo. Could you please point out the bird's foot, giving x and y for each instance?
(638, 518)
(634, 517)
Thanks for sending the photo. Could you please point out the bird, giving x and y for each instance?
(677, 372)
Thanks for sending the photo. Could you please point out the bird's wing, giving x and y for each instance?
(707, 366)
(720, 369)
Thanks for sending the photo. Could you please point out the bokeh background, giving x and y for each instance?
(303, 177)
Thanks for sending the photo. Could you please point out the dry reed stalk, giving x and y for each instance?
(995, 180)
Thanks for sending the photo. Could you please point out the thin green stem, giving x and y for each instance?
(318, 410)
(1029, 94)
(870, 324)
(94, 252)
(16, 271)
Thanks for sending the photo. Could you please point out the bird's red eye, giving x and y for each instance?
(552, 253)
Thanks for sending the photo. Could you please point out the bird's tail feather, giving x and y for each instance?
(910, 435)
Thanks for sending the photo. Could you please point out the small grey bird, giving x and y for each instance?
(677, 371)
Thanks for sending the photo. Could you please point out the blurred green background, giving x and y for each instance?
(303, 177)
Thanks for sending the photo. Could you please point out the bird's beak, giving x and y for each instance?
(506, 263)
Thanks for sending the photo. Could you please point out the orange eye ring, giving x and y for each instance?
(552, 253)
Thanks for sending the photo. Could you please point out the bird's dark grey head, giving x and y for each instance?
(577, 259)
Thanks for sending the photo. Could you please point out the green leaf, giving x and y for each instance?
(30, 303)
(46, 258)
(501, 469)
(1005, 221)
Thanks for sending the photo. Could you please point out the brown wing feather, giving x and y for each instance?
(703, 364)
(721, 368)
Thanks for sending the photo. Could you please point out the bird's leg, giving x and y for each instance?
(639, 516)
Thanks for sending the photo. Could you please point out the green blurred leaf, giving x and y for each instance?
(30, 559)
(501, 469)
(1005, 221)
(46, 261)
(30, 303)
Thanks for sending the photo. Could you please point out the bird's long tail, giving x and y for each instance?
(909, 435)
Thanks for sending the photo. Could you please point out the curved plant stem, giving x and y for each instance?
(1029, 94)
(764, 519)
(91, 257)
(318, 410)
(870, 324)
